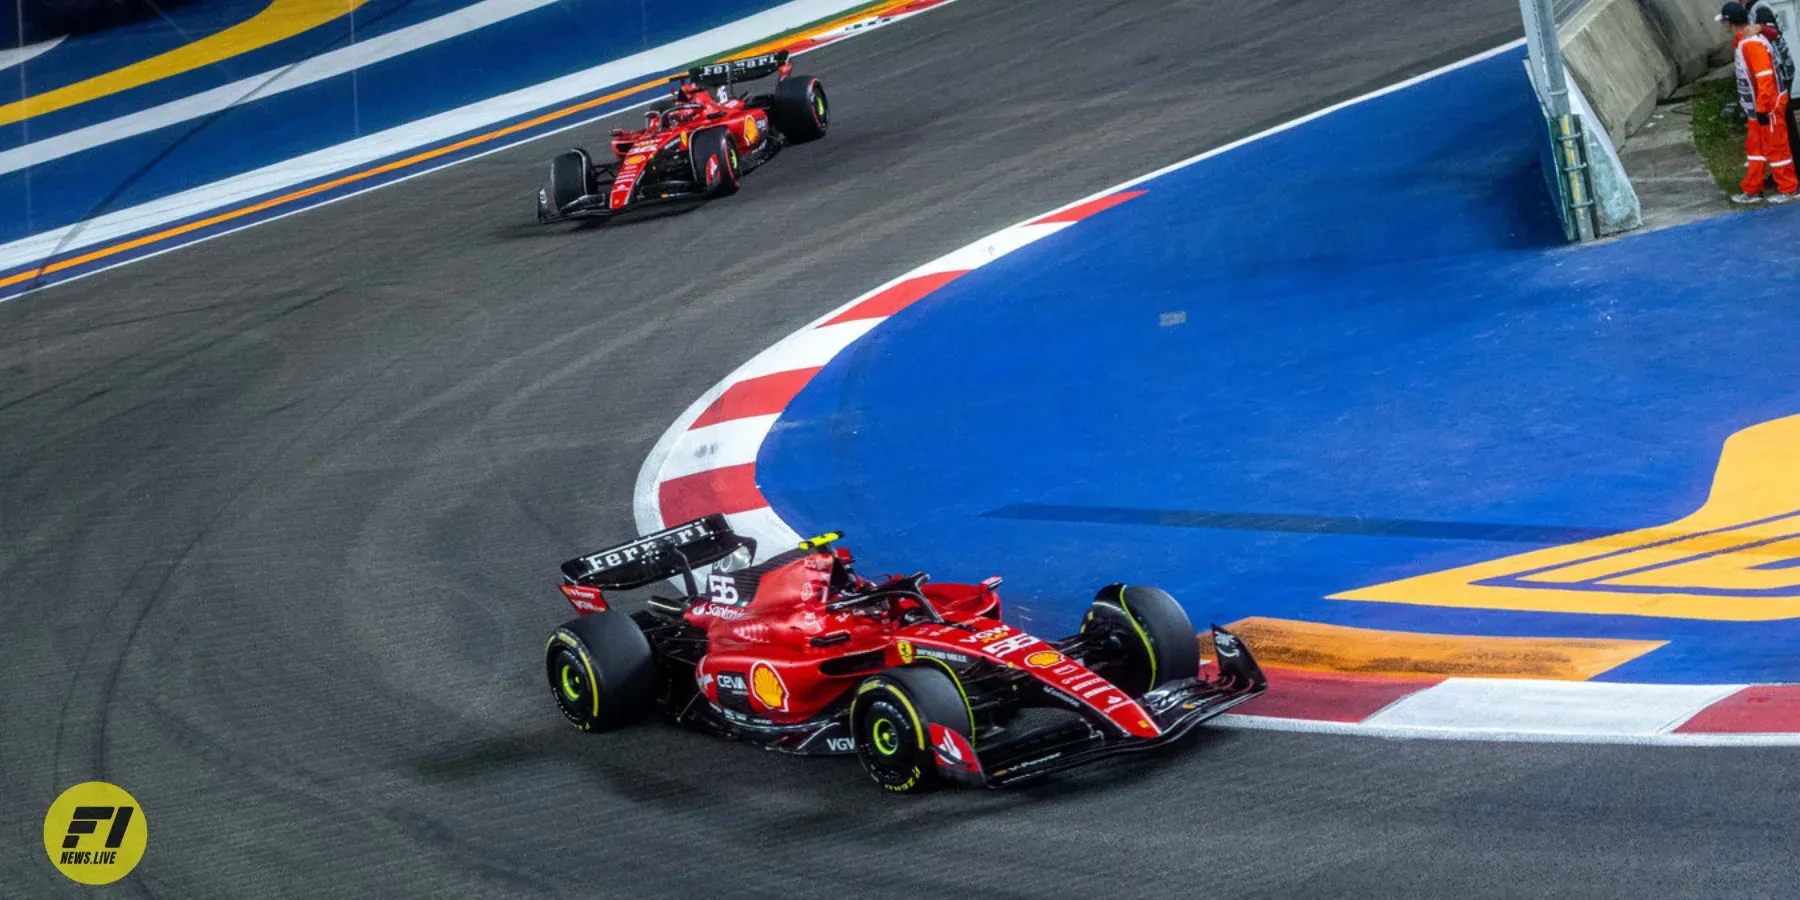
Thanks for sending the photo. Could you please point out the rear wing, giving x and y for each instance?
(726, 73)
(649, 559)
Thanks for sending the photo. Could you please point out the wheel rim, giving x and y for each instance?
(886, 743)
(569, 681)
(887, 739)
(1128, 639)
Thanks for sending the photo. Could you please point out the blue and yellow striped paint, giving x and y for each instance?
(1735, 558)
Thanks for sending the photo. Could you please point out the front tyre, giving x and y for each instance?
(601, 671)
(571, 178)
(891, 718)
(800, 109)
(1155, 639)
(715, 162)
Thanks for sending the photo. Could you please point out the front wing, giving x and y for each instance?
(596, 205)
(649, 192)
(1175, 708)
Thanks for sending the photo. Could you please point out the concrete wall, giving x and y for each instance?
(1628, 54)
(1693, 40)
(1620, 60)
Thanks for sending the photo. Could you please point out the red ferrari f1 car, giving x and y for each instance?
(694, 146)
(923, 682)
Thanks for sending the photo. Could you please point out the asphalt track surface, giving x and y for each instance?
(280, 516)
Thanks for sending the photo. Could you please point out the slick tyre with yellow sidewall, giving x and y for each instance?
(601, 671)
(891, 717)
(1157, 642)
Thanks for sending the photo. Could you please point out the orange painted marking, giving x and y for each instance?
(1314, 647)
(425, 156)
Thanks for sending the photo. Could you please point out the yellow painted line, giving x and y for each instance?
(364, 175)
(1315, 647)
(1707, 565)
(282, 19)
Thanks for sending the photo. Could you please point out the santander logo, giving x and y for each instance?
(621, 192)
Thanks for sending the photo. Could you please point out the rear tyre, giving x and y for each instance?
(800, 109)
(891, 718)
(1153, 633)
(571, 178)
(601, 671)
(715, 162)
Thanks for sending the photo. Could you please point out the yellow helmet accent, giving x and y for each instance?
(819, 542)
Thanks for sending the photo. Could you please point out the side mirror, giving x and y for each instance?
(736, 562)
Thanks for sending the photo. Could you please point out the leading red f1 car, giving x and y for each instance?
(924, 682)
(696, 145)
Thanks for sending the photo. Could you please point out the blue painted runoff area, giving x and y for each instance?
(524, 50)
(1346, 354)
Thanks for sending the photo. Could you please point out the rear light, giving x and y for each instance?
(586, 599)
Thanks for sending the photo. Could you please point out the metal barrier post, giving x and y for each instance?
(1574, 186)
(1576, 181)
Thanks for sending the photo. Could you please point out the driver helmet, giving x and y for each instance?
(843, 572)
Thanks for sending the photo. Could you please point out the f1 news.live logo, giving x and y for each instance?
(86, 820)
(95, 833)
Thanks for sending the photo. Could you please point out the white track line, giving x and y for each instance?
(12, 56)
(1575, 708)
(1663, 739)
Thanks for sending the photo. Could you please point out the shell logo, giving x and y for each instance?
(750, 128)
(767, 687)
(1043, 659)
(906, 652)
